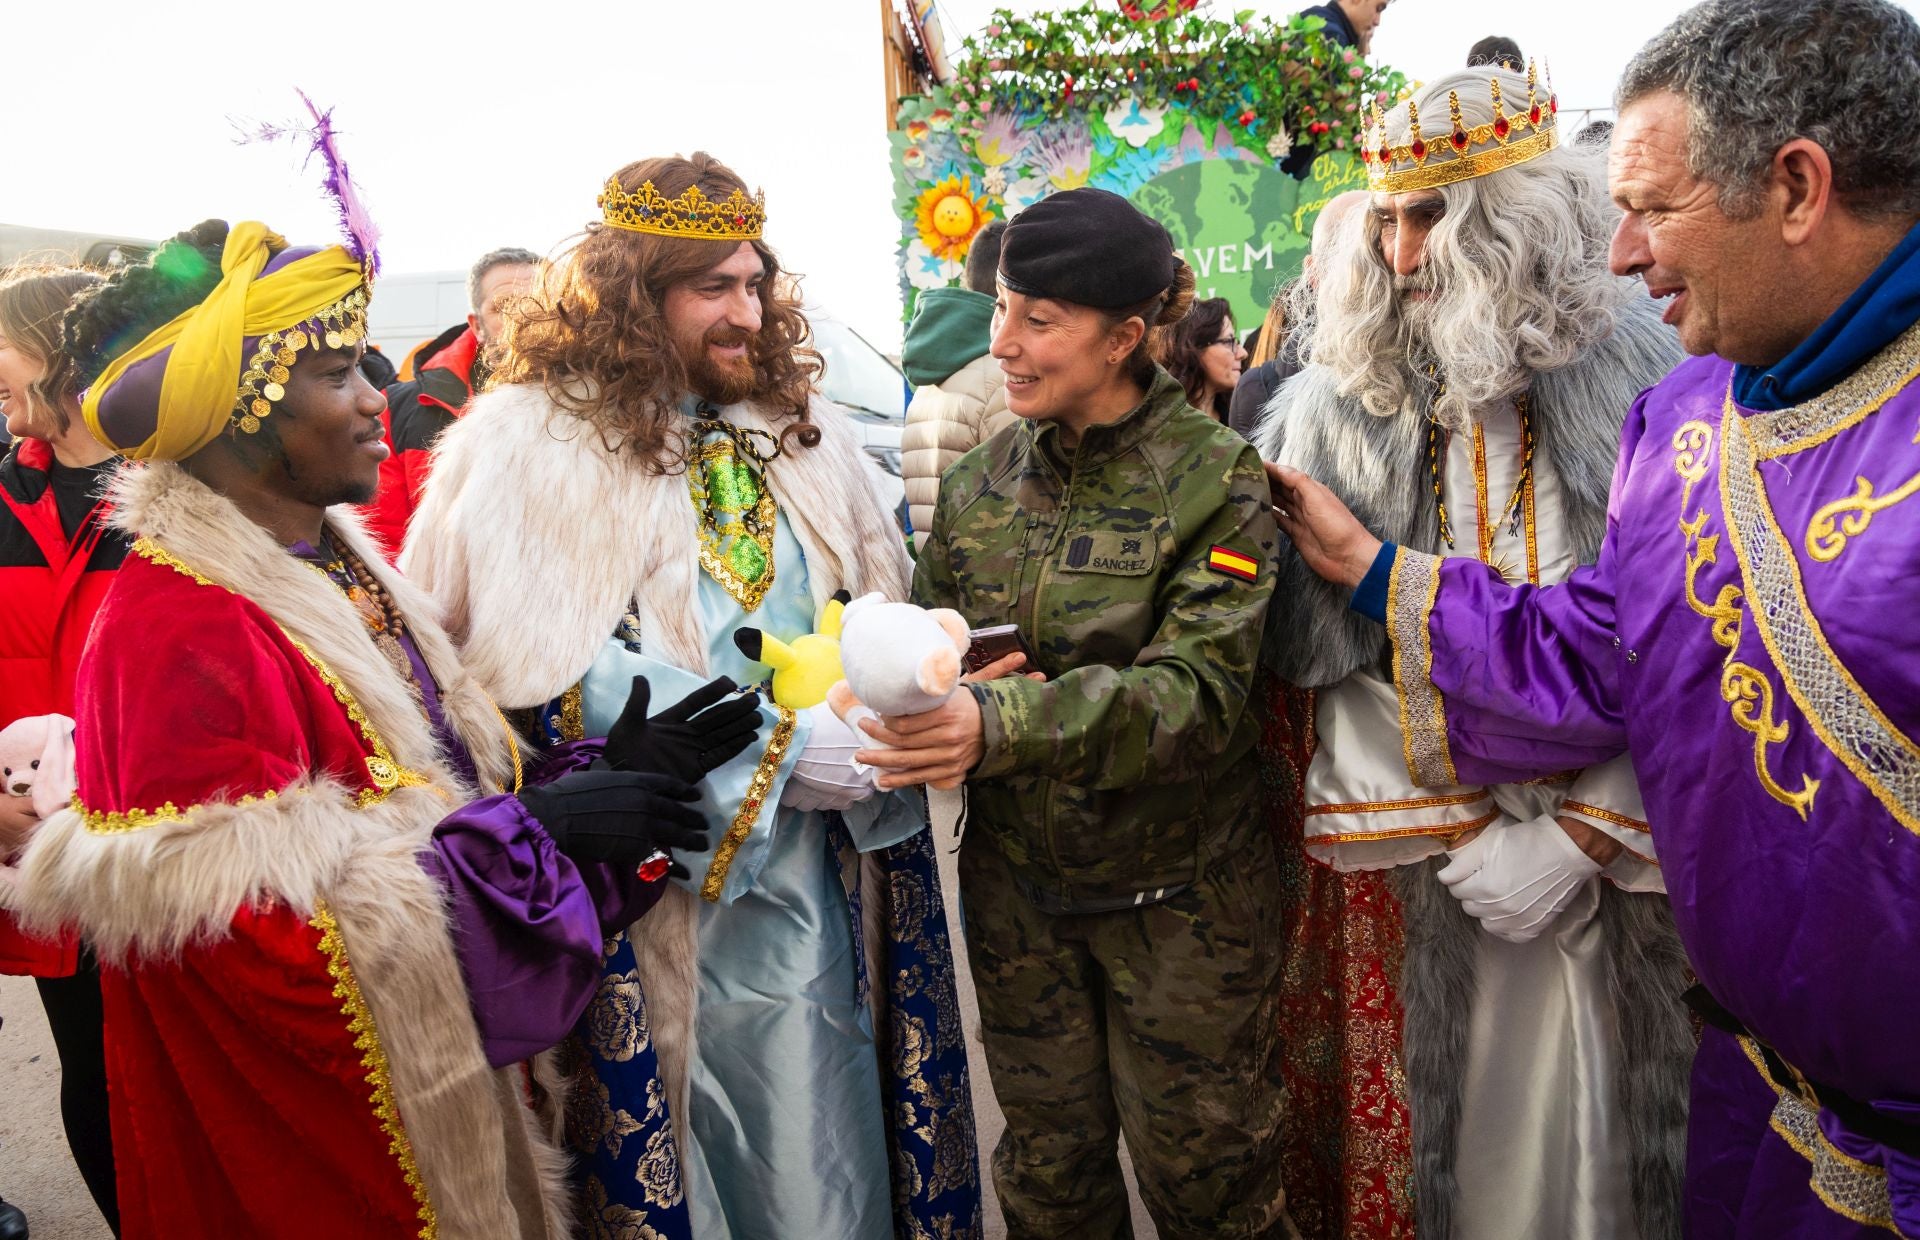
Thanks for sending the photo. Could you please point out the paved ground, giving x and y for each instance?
(37, 1174)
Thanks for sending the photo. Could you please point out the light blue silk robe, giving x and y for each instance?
(787, 1127)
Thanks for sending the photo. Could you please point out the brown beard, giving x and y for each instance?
(723, 383)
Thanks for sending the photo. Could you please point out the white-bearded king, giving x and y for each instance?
(776, 1051)
(1471, 361)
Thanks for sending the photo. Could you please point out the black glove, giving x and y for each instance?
(687, 739)
(618, 816)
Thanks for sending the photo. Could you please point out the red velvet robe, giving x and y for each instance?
(240, 1094)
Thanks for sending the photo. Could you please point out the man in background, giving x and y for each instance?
(448, 370)
(959, 397)
(1498, 51)
(1350, 23)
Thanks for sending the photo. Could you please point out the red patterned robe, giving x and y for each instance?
(1349, 1144)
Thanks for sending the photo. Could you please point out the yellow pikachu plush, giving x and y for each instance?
(805, 668)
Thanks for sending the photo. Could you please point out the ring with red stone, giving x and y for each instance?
(654, 868)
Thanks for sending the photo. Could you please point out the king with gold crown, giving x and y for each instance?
(776, 1049)
(1494, 961)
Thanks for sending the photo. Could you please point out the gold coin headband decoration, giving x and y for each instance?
(646, 210)
(1461, 154)
(263, 384)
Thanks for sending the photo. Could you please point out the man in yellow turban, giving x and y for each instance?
(332, 908)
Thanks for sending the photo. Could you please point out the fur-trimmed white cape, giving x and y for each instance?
(146, 893)
(536, 533)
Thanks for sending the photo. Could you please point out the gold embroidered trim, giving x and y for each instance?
(1845, 1185)
(366, 1040)
(147, 549)
(573, 718)
(1746, 691)
(1376, 807)
(385, 773)
(1605, 815)
(1533, 540)
(1848, 722)
(117, 822)
(1825, 541)
(1806, 425)
(749, 813)
(1423, 709)
(1483, 520)
(755, 524)
(1363, 837)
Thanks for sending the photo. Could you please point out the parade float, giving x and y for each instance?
(1232, 133)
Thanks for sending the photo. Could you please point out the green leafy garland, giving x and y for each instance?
(1281, 80)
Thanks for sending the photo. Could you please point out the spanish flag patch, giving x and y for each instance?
(1232, 563)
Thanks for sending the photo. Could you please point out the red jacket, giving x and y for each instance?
(417, 411)
(52, 579)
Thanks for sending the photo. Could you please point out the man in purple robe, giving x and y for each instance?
(1743, 631)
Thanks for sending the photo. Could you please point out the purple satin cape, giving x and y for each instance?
(1762, 663)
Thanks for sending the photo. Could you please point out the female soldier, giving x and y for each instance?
(1118, 887)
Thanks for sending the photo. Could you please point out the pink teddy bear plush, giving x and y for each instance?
(36, 762)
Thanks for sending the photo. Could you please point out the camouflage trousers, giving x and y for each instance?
(1159, 1022)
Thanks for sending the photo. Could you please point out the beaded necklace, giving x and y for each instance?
(375, 605)
(1436, 438)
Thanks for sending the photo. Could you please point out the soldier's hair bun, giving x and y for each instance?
(1179, 295)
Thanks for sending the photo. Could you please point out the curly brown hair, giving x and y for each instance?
(598, 315)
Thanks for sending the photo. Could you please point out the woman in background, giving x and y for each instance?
(57, 555)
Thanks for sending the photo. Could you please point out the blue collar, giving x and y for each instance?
(1872, 316)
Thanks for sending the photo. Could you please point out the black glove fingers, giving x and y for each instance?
(692, 704)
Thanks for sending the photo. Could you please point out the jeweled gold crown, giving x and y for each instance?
(646, 210)
(1460, 154)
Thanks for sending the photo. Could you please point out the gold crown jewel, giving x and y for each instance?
(264, 382)
(1464, 153)
(646, 210)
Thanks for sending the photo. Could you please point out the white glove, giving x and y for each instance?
(1516, 877)
(825, 775)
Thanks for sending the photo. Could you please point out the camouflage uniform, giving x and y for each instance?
(1117, 885)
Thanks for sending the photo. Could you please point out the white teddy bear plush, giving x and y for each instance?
(36, 761)
(899, 659)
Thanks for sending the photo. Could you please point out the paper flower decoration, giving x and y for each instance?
(1134, 121)
(949, 217)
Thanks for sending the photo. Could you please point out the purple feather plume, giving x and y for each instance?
(356, 222)
(363, 235)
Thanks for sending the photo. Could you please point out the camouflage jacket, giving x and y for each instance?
(1138, 567)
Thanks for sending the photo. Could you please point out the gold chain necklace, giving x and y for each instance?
(1437, 435)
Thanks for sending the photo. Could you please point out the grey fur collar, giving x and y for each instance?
(1377, 466)
(1646, 973)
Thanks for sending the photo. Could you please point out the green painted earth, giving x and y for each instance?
(1242, 226)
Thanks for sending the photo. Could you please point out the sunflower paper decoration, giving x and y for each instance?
(950, 217)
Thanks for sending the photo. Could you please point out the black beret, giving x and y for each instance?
(1089, 247)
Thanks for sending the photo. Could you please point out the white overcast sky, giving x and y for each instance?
(477, 124)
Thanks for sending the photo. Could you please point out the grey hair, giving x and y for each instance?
(1517, 267)
(508, 255)
(1757, 74)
